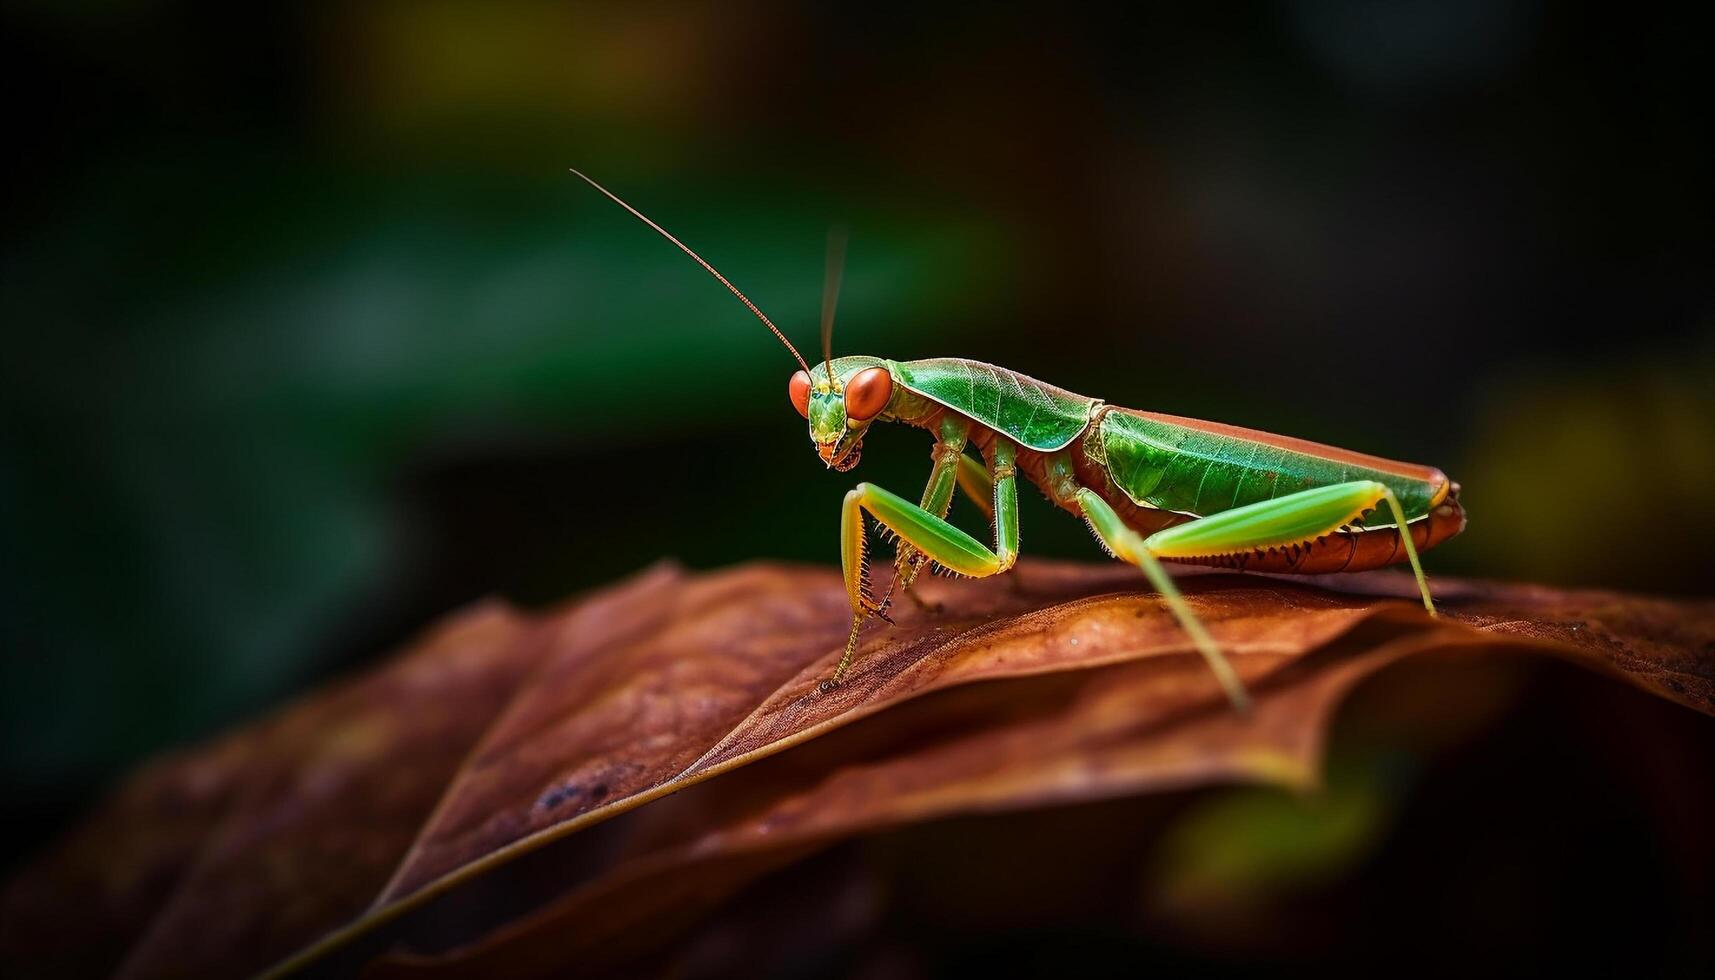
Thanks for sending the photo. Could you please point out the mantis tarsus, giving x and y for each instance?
(1153, 488)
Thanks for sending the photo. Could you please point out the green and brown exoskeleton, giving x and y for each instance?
(1154, 488)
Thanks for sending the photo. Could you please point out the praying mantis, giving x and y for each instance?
(1153, 488)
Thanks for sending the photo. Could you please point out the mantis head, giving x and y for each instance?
(840, 408)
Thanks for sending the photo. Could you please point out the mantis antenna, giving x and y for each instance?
(711, 269)
(831, 293)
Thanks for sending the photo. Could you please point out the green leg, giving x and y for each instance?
(1127, 545)
(1004, 492)
(1294, 519)
(1290, 520)
(927, 533)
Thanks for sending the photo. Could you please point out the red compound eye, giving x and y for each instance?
(867, 393)
(798, 389)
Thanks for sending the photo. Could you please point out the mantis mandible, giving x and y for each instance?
(1153, 488)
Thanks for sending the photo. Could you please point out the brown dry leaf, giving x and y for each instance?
(1112, 730)
(84, 903)
(284, 825)
(505, 733)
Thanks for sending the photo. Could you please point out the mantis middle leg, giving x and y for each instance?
(929, 534)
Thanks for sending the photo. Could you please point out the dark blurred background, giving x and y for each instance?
(310, 337)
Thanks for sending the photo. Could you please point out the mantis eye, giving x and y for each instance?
(798, 389)
(867, 393)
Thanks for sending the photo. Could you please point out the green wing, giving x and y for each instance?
(1203, 468)
(1034, 415)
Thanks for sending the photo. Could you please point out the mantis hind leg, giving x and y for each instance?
(1293, 519)
(1127, 545)
(929, 535)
